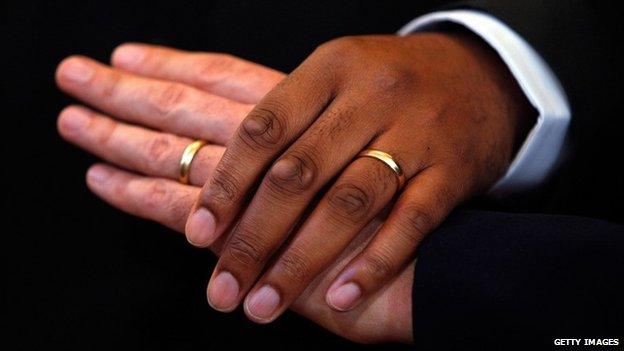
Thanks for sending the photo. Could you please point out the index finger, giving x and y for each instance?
(217, 73)
(285, 113)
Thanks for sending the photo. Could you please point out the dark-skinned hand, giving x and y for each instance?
(442, 104)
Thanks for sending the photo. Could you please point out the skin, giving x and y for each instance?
(161, 101)
(442, 104)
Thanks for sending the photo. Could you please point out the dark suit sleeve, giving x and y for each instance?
(580, 41)
(504, 281)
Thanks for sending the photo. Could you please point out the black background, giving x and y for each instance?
(83, 275)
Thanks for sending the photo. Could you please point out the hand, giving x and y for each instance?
(442, 104)
(208, 111)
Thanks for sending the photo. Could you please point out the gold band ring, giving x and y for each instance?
(187, 158)
(389, 161)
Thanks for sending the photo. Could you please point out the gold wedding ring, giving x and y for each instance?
(187, 158)
(389, 161)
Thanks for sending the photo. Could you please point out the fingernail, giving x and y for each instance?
(128, 55)
(200, 228)
(344, 297)
(223, 292)
(77, 71)
(72, 120)
(263, 303)
(98, 174)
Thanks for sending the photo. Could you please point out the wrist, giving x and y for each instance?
(520, 115)
(479, 86)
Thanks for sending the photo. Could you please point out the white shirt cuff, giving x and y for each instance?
(545, 144)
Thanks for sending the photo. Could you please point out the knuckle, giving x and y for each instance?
(339, 121)
(378, 265)
(265, 127)
(180, 207)
(294, 265)
(391, 77)
(111, 84)
(166, 99)
(106, 130)
(157, 151)
(292, 174)
(223, 188)
(245, 249)
(209, 64)
(157, 196)
(339, 52)
(351, 201)
(415, 221)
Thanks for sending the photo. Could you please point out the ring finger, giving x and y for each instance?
(135, 148)
(363, 189)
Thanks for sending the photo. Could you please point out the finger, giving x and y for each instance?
(220, 74)
(268, 129)
(359, 194)
(361, 191)
(284, 194)
(169, 106)
(424, 204)
(135, 148)
(164, 201)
